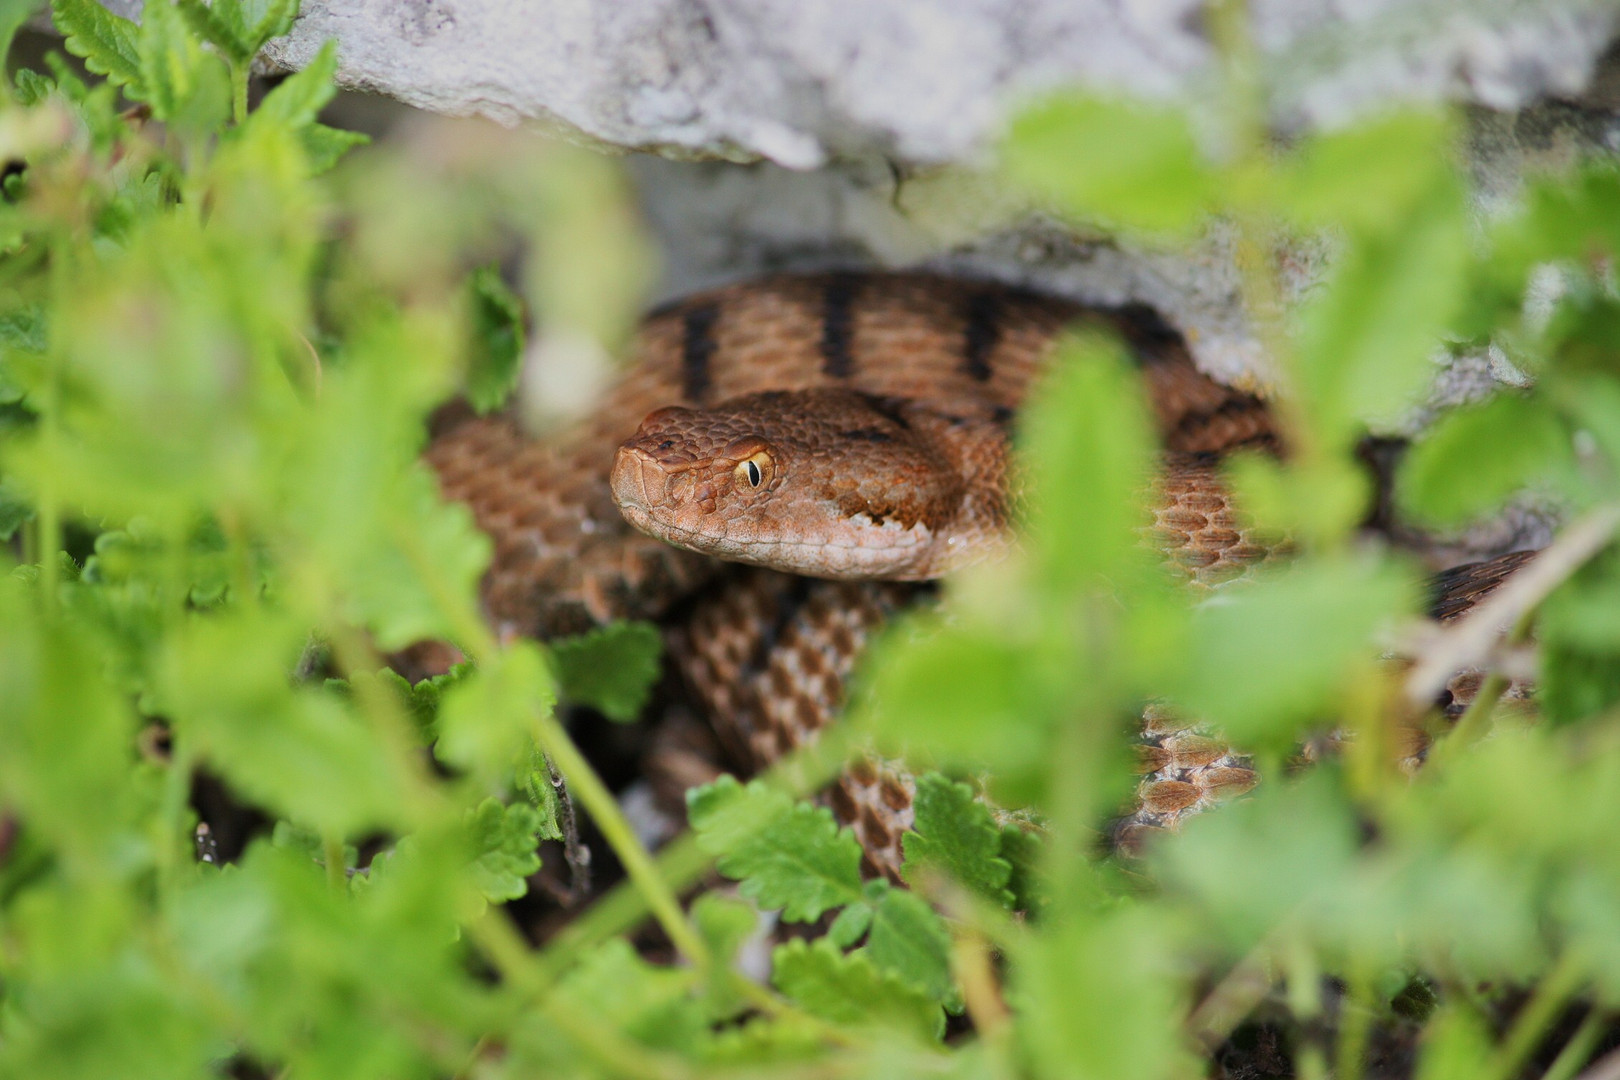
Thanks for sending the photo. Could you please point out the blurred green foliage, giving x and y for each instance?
(220, 338)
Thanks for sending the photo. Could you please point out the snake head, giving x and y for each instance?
(825, 482)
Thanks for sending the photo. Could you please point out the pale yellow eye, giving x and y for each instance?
(754, 471)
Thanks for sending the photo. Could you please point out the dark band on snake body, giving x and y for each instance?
(791, 593)
(838, 326)
(1151, 338)
(981, 332)
(697, 349)
(1237, 407)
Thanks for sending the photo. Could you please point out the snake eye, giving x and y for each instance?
(756, 465)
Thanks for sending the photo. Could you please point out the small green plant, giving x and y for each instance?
(220, 338)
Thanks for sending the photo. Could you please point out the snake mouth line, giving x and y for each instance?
(638, 516)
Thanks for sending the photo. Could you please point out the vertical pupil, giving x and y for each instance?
(753, 474)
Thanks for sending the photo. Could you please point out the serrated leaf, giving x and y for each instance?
(220, 23)
(268, 19)
(612, 669)
(104, 41)
(486, 720)
(298, 100)
(505, 839)
(787, 855)
(183, 84)
(851, 989)
(1022, 849)
(497, 325)
(1473, 459)
(32, 88)
(909, 939)
(1124, 163)
(954, 833)
(544, 787)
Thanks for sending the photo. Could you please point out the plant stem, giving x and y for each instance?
(1468, 642)
(239, 91)
(173, 846)
(1557, 986)
(510, 955)
(1355, 1023)
(332, 851)
(1579, 1047)
(638, 864)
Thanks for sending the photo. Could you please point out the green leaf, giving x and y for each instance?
(505, 839)
(65, 732)
(651, 1005)
(850, 925)
(1456, 1046)
(104, 41)
(298, 100)
(1120, 162)
(787, 855)
(955, 834)
(612, 669)
(724, 924)
(1475, 458)
(486, 721)
(497, 324)
(183, 84)
(298, 751)
(13, 14)
(851, 989)
(32, 88)
(909, 939)
(1367, 177)
(239, 28)
(1277, 651)
(268, 19)
(1366, 340)
(1579, 628)
(324, 146)
(1090, 451)
(1100, 998)
(15, 510)
(965, 696)
(307, 842)
(220, 23)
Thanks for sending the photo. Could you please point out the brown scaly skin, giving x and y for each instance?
(769, 654)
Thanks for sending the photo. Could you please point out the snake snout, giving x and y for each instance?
(638, 480)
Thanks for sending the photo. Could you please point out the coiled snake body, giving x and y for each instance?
(945, 361)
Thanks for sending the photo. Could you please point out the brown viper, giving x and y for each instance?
(861, 362)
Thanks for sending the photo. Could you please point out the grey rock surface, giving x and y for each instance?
(796, 82)
(807, 134)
